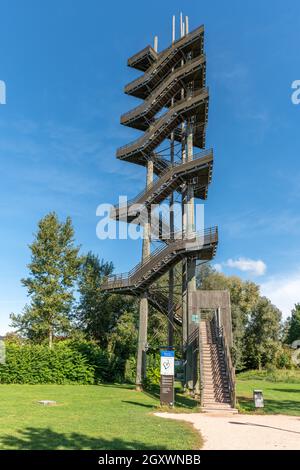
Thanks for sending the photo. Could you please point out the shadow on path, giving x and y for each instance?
(263, 426)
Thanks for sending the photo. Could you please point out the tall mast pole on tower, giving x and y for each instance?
(171, 202)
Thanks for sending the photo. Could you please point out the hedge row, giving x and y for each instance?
(37, 364)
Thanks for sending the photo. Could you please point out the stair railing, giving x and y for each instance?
(202, 381)
(163, 121)
(230, 370)
(157, 182)
(165, 56)
(208, 236)
(141, 54)
(142, 108)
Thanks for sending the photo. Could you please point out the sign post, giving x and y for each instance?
(167, 357)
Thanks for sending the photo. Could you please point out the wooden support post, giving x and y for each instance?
(142, 342)
(191, 267)
(143, 308)
(171, 271)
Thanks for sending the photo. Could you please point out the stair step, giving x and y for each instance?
(210, 371)
(216, 389)
(217, 404)
(218, 374)
(213, 395)
(213, 409)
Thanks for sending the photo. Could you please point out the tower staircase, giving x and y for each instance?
(216, 370)
(174, 108)
(145, 273)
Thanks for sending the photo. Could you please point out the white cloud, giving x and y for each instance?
(283, 291)
(218, 267)
(256, 267)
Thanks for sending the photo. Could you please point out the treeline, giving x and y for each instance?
(71, 331)
(260, 338)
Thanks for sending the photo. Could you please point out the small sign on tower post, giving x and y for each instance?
(167, 357)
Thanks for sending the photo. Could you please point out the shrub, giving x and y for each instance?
(284, 358)
(96, 357)
(130, 370)
(274, 375)
(153, 377)
(37, 364)
(153, 371)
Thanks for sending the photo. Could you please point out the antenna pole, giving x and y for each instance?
(173, 29)
(186, 25)
(181, 25)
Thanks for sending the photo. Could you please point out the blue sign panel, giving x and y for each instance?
(165, 353)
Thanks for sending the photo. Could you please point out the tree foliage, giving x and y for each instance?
(293, 325)
(98, 312)
(262, 335)
(53, 270)
(38, 364)
(103, 327)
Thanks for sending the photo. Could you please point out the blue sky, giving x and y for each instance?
(64, 65)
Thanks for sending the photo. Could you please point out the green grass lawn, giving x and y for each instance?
(281, 392)
(88, 417)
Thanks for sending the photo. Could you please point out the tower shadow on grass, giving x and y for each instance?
(138, 404)
(46, 439)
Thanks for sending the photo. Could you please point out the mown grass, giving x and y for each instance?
(103, 417)
(281, 391)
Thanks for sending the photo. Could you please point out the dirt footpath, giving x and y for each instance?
(233, 432)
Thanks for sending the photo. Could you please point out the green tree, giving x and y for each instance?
(293, 332)
(98, 312)
(124, 336)
(262, 334)
(53, 271)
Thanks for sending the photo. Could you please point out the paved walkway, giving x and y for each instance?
(247, 432)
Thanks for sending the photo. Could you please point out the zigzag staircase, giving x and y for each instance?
(160, 87)
(175, 99)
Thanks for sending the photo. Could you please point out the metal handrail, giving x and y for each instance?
(209, 235)
(150, 188)
(202, 380)
(164, 55)
(163, 87)
(230, 370)
(141, 53)
(157, 125)
(163, 300)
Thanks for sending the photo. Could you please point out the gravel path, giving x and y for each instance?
(248, 432)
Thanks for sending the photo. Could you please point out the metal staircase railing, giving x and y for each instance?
(158, 98)
(201, 368)
(220, 333)
(161, 301)
(164, 125)
(165, 60)
(162, 258)
(148, 51)
(164, 176)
